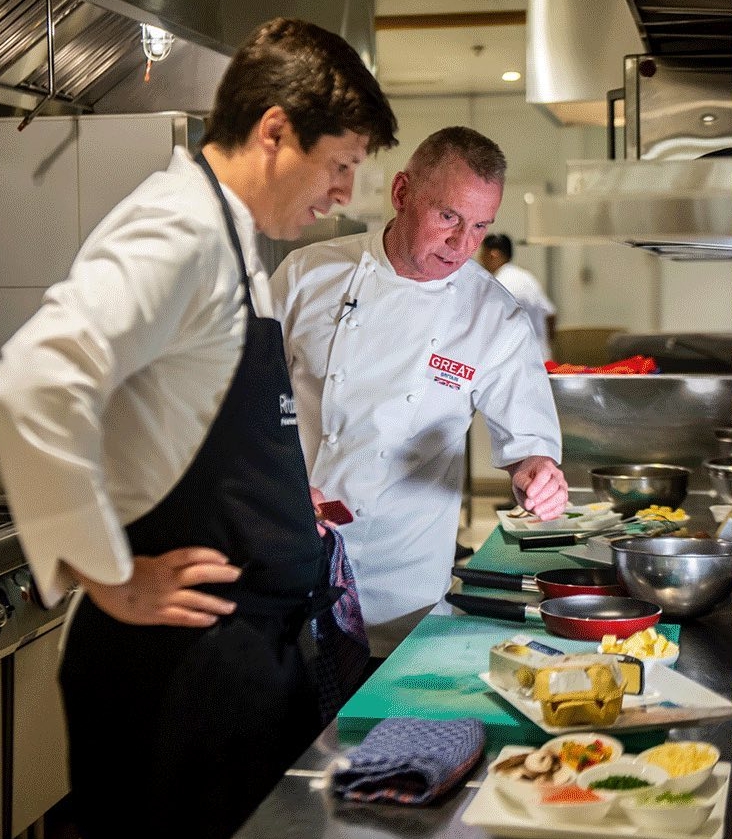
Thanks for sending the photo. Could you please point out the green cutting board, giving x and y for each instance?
(433, 674)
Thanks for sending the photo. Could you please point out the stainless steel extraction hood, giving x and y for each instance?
(95, 48)
(671, 194)
(681, 209)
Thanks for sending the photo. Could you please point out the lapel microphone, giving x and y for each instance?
(350, 305)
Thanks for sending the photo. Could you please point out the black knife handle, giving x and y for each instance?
(526, 543)
(488, 607)
(493, 579)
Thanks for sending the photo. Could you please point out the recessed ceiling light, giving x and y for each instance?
(511, 76)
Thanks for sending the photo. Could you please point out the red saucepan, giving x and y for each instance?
(560, 582)
(584, 617)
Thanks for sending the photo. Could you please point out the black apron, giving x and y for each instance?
(181, 732)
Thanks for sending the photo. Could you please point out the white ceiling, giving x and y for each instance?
(451, 59)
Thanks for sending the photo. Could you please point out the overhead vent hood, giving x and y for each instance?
(671, 193)
(97, 63)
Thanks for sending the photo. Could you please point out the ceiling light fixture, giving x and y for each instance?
(156, 44)
(511, 76)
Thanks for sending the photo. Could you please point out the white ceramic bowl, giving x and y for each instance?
(677, 757)
(654, 776)
(614, 746)
(683, 817)
(567, 813)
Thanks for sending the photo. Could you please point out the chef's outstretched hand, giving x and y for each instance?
(160, 590)
(539, 486)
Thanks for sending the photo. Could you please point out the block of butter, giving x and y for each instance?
(513, 663)
(580, 690)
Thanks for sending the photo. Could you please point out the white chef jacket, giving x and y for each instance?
(387, 373)
(108, 391)
(526, 289)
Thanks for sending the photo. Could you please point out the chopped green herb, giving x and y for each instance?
(669, 797)
(619, 782)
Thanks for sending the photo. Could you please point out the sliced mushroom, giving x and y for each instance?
(539, 762)
(511, 762)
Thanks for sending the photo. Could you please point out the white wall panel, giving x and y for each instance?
(39, 206)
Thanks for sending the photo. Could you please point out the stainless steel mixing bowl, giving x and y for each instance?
(686, 577)
(633, 486)
(719, 470)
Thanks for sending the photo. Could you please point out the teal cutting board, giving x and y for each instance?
(434, 672)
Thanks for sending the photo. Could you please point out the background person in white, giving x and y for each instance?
(496, 253)
(394, 339)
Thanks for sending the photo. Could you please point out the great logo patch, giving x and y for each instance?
(449, 372)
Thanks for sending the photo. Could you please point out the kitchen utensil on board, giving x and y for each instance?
(686, 577)
(633, 526)
(559, 582)
(583, 617)
(632, 486)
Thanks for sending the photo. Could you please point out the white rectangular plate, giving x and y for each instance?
(671, 700)
(590, 517)
(490, 809)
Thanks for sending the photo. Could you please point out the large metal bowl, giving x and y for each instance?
(685, 577)
(719, 470)
(633, 486)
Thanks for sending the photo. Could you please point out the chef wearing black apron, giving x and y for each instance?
(203, 722)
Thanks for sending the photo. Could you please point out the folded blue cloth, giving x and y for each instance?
(409, 760)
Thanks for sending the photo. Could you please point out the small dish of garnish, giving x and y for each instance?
(688, 763)
(569, 805)
(579, 751)
(623, 777)
(671, 812)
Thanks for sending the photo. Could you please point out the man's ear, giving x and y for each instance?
(272, 126)
(399, 187)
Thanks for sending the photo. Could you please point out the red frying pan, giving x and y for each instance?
(584, 617)
(560, 582)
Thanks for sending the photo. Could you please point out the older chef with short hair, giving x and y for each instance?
(395, 339)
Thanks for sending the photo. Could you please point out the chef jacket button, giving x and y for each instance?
(383, 454)
(411, 397)
(359, 511)
(332, 438)
(337, 376)
(451, 288)
(351, 322)
(433, 342)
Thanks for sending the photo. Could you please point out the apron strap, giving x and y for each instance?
(230, 226)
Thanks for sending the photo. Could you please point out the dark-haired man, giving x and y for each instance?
(150, 453)
(395, 339)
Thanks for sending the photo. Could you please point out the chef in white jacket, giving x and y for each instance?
(150, 453)
(395, 339)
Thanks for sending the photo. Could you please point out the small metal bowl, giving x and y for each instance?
(719, 470)
(633, 486)
(685, 577)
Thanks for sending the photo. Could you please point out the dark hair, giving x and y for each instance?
(481, 154)
(499, 242)
(319, 81)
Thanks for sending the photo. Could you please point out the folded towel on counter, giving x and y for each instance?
(409, 760)
(633, 365)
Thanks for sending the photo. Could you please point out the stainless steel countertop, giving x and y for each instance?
(299, 808)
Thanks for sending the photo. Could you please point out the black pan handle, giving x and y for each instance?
(526, 543)
(489, 607)
(495, 579)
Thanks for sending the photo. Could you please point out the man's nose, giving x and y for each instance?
(458, 238)
(342, 191)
